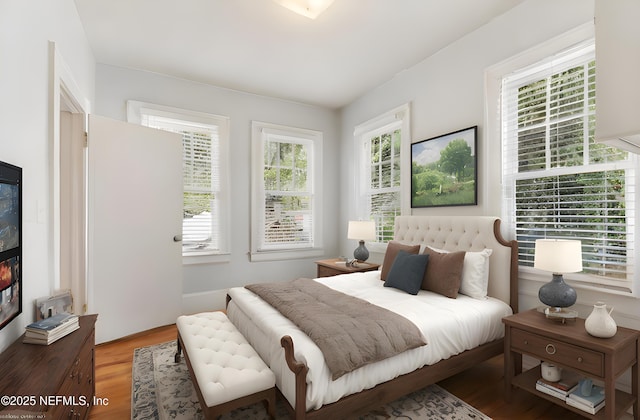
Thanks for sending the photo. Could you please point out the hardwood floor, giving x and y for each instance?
(113, 371)
(481, 386)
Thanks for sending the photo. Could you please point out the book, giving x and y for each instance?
(51, 338)
(566, 385)
(52, 322)
(584, 407)
(44, 333)
(49, 330)
(596, 397)
(62, 329)
(551, 391)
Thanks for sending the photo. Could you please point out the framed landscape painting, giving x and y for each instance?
(444, 170)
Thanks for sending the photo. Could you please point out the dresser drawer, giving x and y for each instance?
(551, 350)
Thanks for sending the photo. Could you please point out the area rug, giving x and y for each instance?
(162, 390)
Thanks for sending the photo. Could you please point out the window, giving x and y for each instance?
(558, 183)
(286, 190)
(382, 145)
(204, 145)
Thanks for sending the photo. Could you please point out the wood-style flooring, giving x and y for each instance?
(481, 386)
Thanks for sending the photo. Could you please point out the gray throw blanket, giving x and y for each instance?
(350, 332)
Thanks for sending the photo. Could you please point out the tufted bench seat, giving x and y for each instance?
(226, 371)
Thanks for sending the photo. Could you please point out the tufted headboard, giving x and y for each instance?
(468, 233)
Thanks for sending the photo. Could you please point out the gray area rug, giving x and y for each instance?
(162, 389)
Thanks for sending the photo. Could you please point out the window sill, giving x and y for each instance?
(257, 256)
(529, 274)
(376, 247)
(205, 258)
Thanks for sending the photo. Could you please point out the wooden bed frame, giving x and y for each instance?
(450, 233)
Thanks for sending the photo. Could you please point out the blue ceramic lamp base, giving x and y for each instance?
(558, 295)
(361, 253)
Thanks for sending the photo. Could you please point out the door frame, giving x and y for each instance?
(65, 96)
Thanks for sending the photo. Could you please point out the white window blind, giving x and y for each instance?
(286, 213)
(558, 183)
(288, 197)
(381, 179)
(382, 144)
(200, 180)
(204, 198)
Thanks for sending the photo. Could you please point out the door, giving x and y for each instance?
(135, 221)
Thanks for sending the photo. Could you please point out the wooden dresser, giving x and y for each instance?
(56, 381)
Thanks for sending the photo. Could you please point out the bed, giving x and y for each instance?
(454, 344)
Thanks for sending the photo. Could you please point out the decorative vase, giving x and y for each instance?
(600, 323)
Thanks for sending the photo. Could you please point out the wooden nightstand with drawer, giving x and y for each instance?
(335, 266)
(572, 348)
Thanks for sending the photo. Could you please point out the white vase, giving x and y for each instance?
(600, 323)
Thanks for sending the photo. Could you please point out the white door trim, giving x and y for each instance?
(64, 95)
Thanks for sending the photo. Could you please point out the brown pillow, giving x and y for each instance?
(444, 272)
(390, 255)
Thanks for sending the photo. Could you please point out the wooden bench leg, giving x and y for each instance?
(267, 397)
(176, 358)
(270, 404)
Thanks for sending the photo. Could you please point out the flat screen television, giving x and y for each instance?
(10, 242)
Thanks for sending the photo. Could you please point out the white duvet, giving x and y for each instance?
(450, 326)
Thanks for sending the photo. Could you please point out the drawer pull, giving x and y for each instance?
(550, 349)
(580, 359)
(526, 342)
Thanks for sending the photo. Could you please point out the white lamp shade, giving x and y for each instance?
(361, 230)
(558, 255)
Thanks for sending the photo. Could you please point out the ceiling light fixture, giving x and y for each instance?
(307, 8)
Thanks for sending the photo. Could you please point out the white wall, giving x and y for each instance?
(205, 285)
(26, 27)
(447, 93)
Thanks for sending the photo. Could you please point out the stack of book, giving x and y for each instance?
(560, 389)
(589, 403)
(51, 329)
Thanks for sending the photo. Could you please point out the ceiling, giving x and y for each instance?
(260, 47)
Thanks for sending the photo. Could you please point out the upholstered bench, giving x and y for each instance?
(226, 371)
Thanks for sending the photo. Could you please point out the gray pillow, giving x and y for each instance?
(407, 272)
(390, 255)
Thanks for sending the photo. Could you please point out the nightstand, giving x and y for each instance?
(335, 266)
(572, 348)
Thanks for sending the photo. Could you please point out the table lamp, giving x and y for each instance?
(558, 256)
(361, 230)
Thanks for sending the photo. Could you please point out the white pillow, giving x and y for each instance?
(475, 273)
